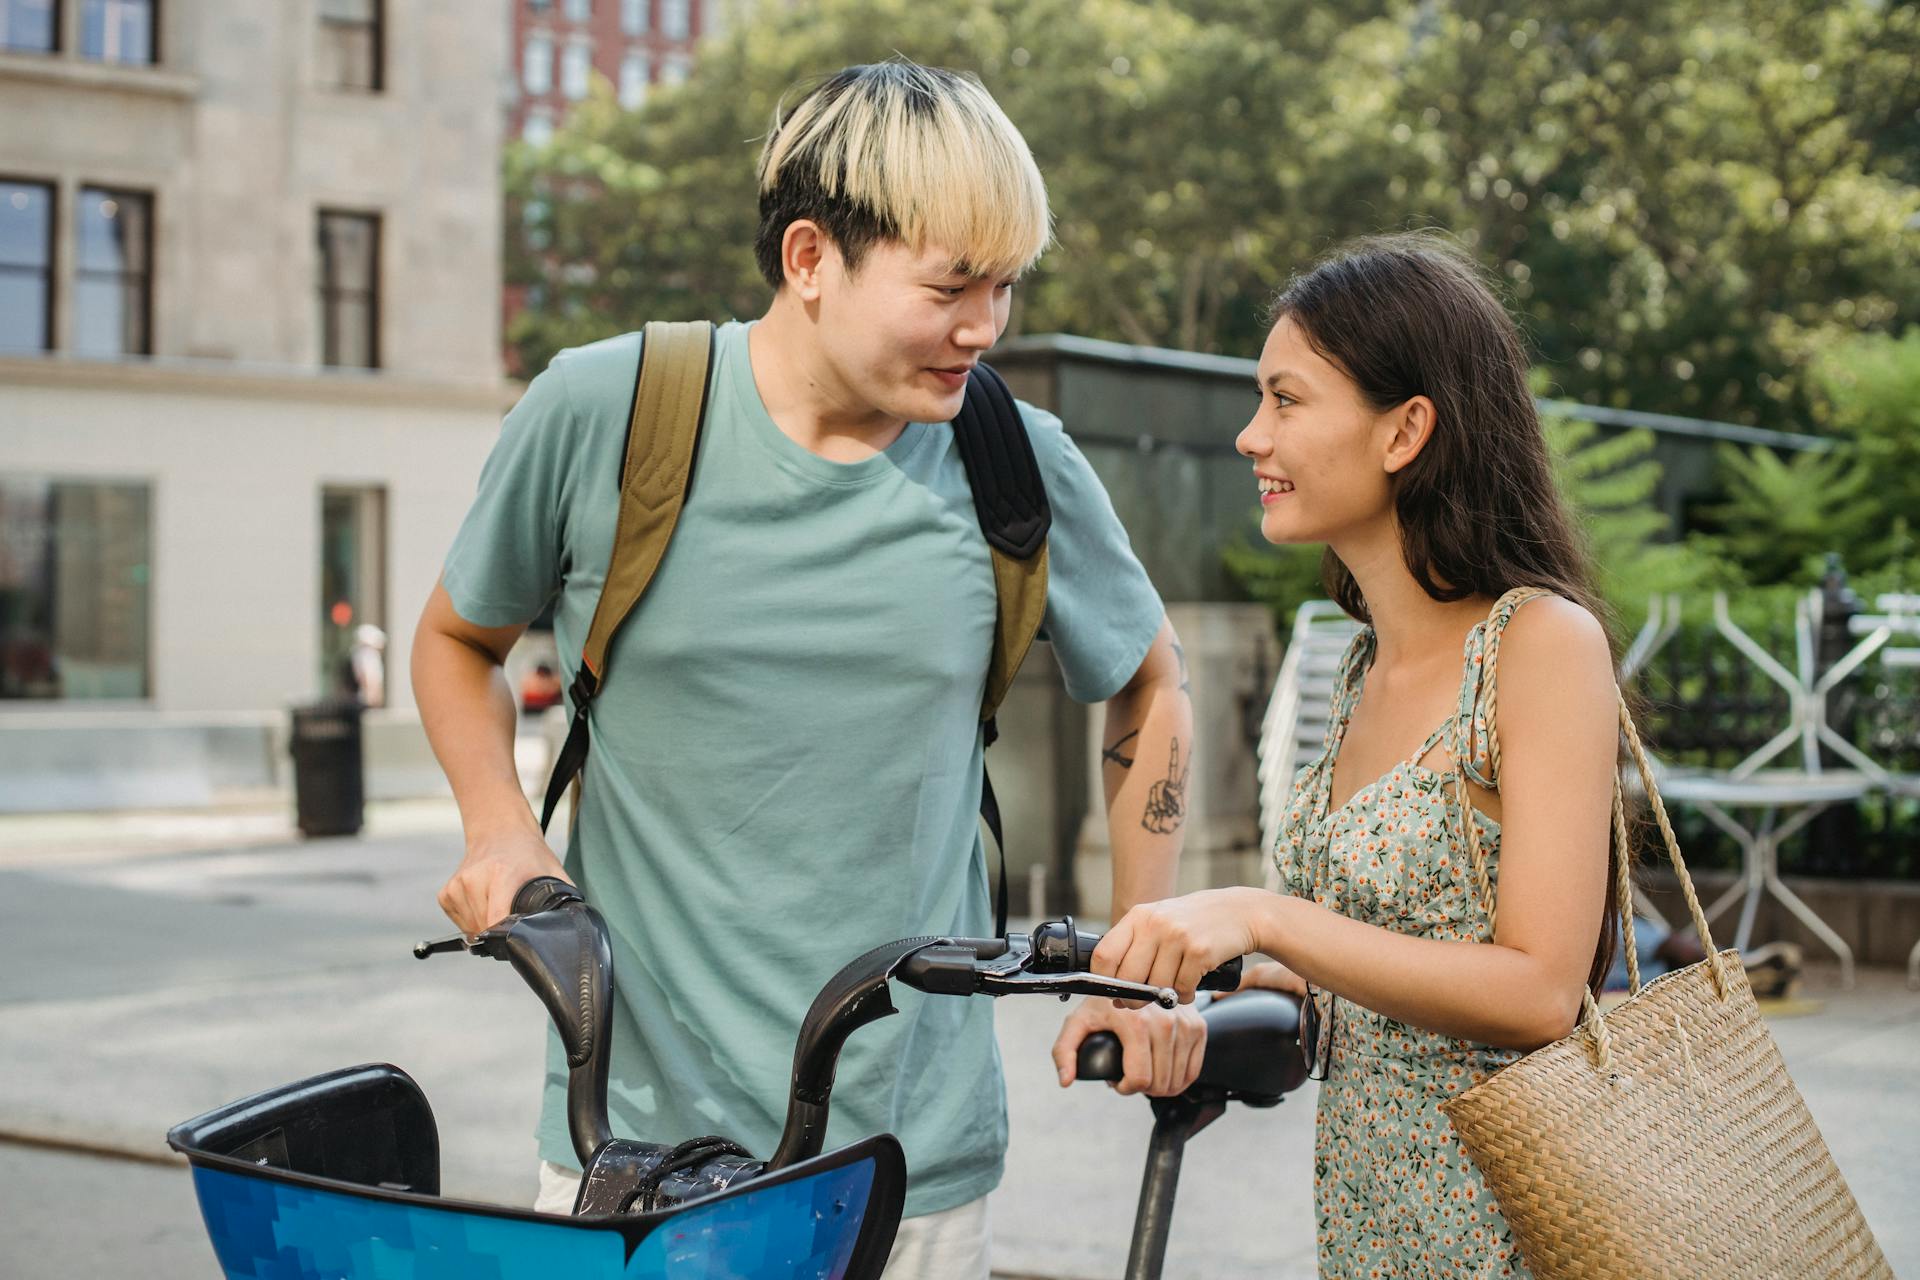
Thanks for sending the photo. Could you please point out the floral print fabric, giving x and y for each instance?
(1395, 1195)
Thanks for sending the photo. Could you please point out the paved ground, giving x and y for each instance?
(161, 965)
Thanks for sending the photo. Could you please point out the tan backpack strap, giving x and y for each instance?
(1010, 498)
(663, 434)
(675, 360)
(1022, 588)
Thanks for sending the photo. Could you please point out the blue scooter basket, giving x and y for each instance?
(336, 1178)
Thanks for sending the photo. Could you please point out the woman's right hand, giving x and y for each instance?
(1269, 975)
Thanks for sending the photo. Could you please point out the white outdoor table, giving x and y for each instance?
(1768, 793)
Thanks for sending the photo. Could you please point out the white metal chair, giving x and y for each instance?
(1295, 725)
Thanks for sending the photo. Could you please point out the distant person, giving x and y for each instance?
(789, 747)
(361, 675)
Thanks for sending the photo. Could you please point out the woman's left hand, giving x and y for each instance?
(1173, 943)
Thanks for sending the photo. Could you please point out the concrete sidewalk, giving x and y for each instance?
(152, 981)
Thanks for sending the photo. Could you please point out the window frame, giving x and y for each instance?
(81, 272)
(631, 59)
(153, 33)
(51, 316)
(378, 25)
(327, 292)
(682, 27)
(56, 11)
(549, 75)
(576, 51)
(149, 488)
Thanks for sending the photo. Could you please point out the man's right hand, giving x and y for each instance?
(481, 891)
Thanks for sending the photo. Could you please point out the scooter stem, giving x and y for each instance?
(1175, 1120)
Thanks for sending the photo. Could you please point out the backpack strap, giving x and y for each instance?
(656, 472)
(1010, 497)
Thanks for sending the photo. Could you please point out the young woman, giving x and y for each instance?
(1395, 426)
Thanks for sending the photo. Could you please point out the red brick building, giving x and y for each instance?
(635, 44)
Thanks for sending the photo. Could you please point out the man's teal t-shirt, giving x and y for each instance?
(785, 769)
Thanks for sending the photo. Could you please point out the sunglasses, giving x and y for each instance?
(1316, 1032)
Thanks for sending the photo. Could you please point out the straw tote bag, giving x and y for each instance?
(1662, 1138)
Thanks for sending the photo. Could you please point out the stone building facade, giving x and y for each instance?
(249, 367)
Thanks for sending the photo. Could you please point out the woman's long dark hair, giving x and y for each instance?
(1479, 513)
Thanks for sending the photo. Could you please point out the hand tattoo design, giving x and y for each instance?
(1167, 799)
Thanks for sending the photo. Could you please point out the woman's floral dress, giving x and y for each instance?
(1395, 1194)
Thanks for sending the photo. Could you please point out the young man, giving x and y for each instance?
(785, 767)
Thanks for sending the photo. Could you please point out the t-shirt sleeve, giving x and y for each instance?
(1102, 611)
(507, 559)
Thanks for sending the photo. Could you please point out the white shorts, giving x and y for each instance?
(950, 1245)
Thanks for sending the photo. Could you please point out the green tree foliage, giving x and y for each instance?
(1872, 390)
(1687, 198)
(1783, 514)
(1610, 481)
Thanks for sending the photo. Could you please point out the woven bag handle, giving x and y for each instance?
(1623, 886)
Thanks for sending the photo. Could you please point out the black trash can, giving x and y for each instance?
(329, 797)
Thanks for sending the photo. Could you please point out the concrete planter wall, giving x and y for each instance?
(1879, 919)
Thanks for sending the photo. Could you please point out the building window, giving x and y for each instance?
(674, 20)
(579, 10)
(633, 81)
(633, 16)
(352, 45)
(75, 595)
(113, 274)
(538, 129)
(26, 266)
(117, 31)
(353, 592)
(675, 68)
(576, 65)
(350, 290)
(29, 26)
(536, 64)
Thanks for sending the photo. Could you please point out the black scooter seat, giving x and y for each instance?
(1253, 1047)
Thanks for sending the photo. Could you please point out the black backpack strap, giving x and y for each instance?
(1010, 498)
(656, 473)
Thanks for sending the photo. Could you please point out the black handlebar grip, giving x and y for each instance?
(1100, 1057)
(1225, 978)
(543, 893)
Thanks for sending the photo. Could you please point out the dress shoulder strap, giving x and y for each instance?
(1359, 652)
(1474, 741)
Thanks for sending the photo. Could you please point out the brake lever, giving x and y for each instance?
(439, 946)
(1066, 984)
(485, 943)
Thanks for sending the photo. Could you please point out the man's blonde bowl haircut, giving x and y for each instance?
(927, 153)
